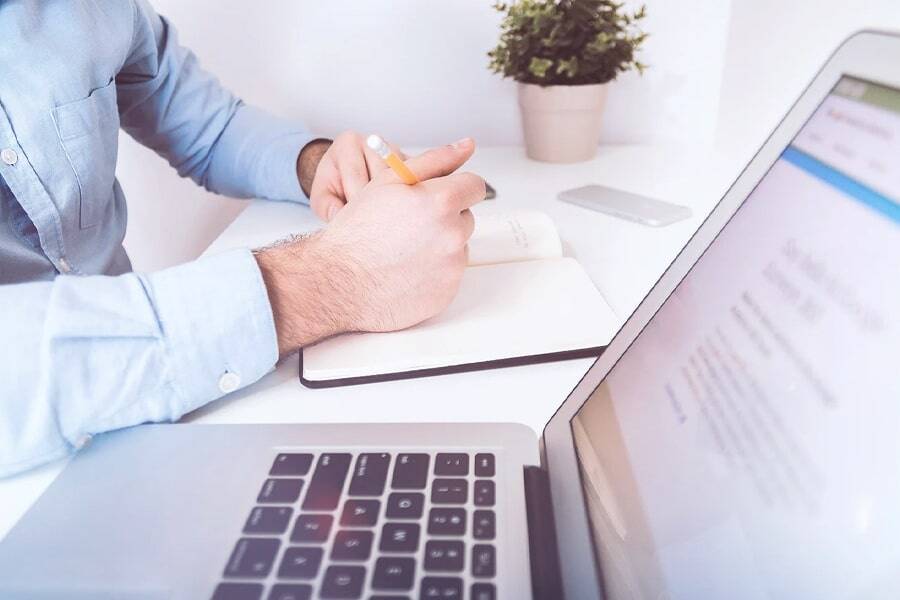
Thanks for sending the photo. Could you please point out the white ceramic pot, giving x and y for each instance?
(561, 122)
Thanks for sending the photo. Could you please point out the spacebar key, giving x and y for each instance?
(327, 482)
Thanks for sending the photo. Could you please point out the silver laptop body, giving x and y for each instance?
(739, 438)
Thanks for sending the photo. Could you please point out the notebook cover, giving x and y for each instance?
(514, 361)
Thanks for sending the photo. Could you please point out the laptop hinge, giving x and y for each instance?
(546, 582)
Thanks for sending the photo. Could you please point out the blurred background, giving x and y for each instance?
(722, 73)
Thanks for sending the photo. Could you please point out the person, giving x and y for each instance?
(89, 346)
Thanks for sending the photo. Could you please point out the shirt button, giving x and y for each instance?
(229, 382)
(64, 266)
(82, 441)
(9, 156)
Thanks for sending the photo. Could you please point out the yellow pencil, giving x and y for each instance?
(393, 161)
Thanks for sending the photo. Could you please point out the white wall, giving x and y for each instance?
(413, 70)
(774, 50)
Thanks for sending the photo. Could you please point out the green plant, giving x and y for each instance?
(567, 42)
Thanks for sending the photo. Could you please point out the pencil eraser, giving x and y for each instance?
(376, 143)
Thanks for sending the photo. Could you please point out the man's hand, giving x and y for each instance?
(332, 173)
(391, 258)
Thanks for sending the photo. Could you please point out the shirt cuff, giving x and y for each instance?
(256, 156)
(278, 168)
(217, 324)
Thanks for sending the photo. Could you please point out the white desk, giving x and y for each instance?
(623, 259)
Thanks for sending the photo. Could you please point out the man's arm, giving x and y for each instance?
(170, 104)
(89, 354)
(83, 355)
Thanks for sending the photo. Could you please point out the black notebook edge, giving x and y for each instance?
(515, 361)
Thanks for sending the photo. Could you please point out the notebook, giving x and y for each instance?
(520, 302)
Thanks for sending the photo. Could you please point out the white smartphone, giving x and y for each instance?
(625, 205)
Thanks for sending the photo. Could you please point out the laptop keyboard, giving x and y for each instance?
(393, 527)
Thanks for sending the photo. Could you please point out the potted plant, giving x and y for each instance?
(563, 53)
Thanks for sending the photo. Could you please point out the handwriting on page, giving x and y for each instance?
(519, 235)
(513, 237)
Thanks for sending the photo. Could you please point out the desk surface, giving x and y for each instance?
(623, 259)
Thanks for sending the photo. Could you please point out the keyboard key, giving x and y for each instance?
(451, 464)
(327, 482)
(311, 528)
(410, 472)
(290, 591)
(483, 561)
(399, 537)
(360, 513)
(238, 591)
(394, 573)
(369, 474)
(280, 491)
(352, 545)
(405, 505)
(447, 521)
(449, 491)
(441, 588)
(268, 519)
(483, 492)
(483, 591)
(252, 557)
(291, 464)
(484, 465)
(342, 582)
(444, 555)
(300, 563)
(392, 597)
(484, 525)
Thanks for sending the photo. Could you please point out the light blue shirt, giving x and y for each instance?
(85, 345)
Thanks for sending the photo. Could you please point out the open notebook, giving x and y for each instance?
(520, 302)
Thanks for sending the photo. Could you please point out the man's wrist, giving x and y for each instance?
(310, 291)
(308, 161)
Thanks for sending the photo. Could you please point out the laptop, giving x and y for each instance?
(739, 438)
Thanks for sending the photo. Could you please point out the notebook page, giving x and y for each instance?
(501, 311)
(513, 237)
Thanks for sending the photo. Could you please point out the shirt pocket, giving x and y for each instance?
(89, 133)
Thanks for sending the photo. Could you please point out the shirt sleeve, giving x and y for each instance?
(169, 103)
(83, 355)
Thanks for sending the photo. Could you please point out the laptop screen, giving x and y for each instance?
(747, 445)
